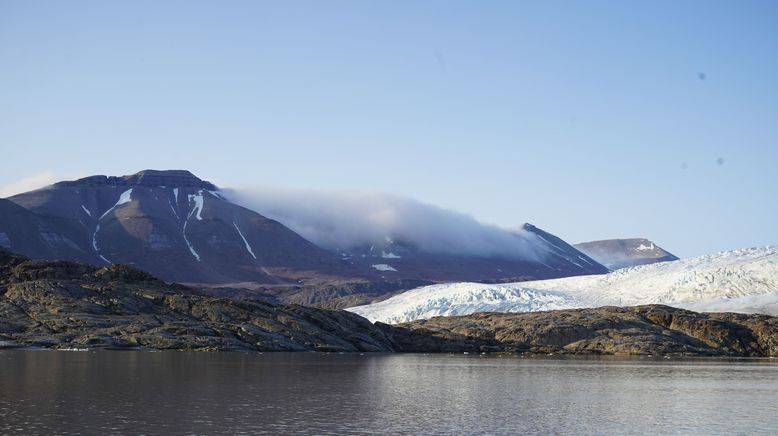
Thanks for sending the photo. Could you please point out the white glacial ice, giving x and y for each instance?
(737, 280)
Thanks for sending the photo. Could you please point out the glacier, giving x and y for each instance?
(744, 280)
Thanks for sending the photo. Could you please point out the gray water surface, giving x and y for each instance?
(57, 392)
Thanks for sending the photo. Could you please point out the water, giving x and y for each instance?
(56, 392)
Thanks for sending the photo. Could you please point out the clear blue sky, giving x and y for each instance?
(590, 119)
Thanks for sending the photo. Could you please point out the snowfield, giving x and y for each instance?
(743, 280)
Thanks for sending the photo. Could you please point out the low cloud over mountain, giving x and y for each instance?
(345, 220)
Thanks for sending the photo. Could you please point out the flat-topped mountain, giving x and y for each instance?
(170, 223)
(148, 178)
(622, 253)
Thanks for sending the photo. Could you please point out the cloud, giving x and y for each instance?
(30, 183)
(351, 219)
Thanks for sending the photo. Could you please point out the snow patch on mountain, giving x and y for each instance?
(124, 198)
(94, 244)
(173, 209)
(198, 207)
(643, 247)
(728, 275)
(198, 200)
(248, 247)
(189, 244)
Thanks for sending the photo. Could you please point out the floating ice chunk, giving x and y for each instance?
(383, 267)
(86, 210)
(389, 255)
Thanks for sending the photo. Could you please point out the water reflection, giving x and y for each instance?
(234, 393)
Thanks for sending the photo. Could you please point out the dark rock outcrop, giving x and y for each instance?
(64, 304)
(61, 304)
(640, 330)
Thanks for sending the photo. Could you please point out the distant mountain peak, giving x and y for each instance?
(168, 178)
(621, 253)
(529, 227)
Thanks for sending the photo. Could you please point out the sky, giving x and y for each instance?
(591, 119)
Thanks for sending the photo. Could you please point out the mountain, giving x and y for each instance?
(552, 257)
(622, 253)
(559, 255)
(68, 305)
(170, 223)
(184, 229)
(729, 274)
(40, 237)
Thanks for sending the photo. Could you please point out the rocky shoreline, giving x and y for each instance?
(66, 305)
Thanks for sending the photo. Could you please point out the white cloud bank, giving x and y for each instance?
(351, 219)
(30, 183)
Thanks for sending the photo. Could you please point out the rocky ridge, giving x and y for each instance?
(638, 330)
(59, 304)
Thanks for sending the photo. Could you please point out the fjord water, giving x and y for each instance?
(56, 392)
